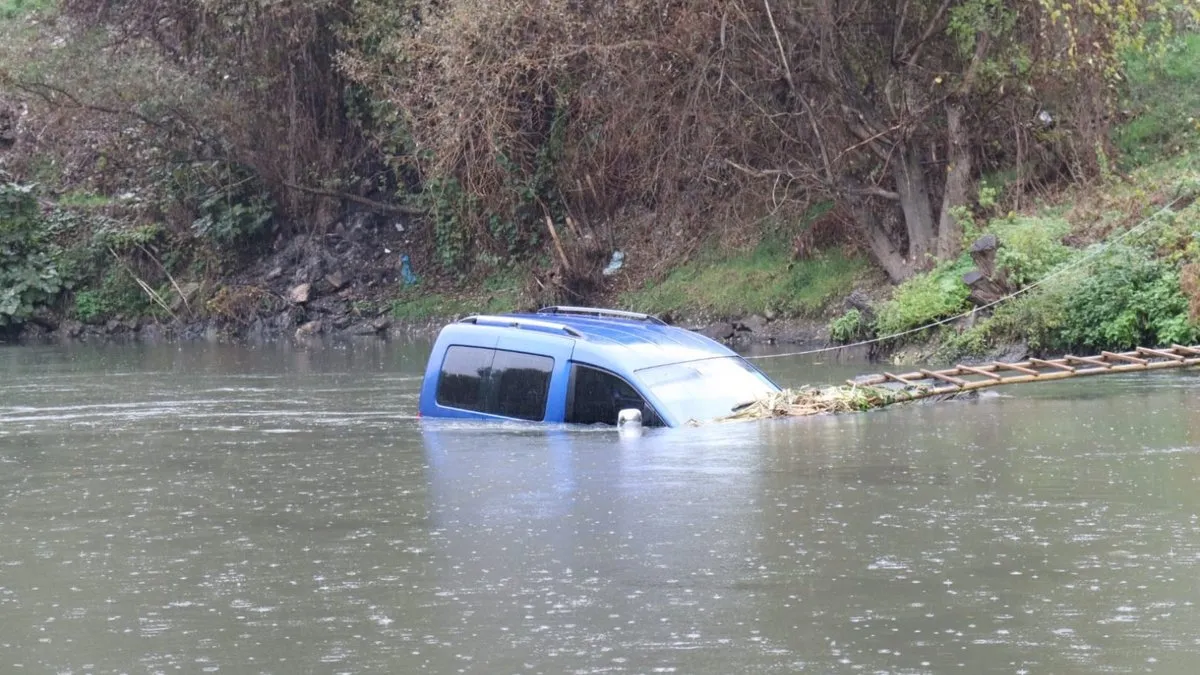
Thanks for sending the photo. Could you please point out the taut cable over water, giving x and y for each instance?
(877, 391)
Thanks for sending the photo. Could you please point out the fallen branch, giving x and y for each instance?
(153, 294)
(558, 244)
(370, 203)
(170, 277)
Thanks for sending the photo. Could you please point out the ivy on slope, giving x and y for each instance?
(28, 275)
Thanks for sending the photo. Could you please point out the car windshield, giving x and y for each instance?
(705, 389)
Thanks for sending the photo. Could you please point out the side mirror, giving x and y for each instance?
(629, 417)
(629, 423)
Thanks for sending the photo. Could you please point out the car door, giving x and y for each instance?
(597, 396)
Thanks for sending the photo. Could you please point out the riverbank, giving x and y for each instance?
(1105, 266)
(1082, 261)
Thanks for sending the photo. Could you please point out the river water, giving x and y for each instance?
(278, 510)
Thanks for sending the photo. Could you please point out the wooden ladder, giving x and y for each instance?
(926, 383)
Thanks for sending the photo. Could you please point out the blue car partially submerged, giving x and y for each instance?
(583, 365)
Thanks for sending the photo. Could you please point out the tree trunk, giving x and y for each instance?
(879, 242)
(916, 204)
(958, 183)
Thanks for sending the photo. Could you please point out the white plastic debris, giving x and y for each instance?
(614, 265)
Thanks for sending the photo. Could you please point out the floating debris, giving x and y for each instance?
(808, 400)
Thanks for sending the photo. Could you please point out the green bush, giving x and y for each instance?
(849, 327)
(1036, 318)
(230, 203)
(1030, 247)
(114, 293)
(1128, 298)
(90, 306)
(229, 220)
(925, 299)
(28, 274)
(448, 204)
(956, 345)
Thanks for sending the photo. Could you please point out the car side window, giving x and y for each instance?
(510, 384)
(597, 396)
(460, 384)
(521, 385)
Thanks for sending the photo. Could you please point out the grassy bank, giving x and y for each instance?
(764, 280)
(761, 280)
(496, 294)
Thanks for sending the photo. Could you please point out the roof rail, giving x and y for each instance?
(518, 322)
(599, 312)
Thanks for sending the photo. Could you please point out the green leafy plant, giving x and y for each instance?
(29, 276)
(849, 327)
(229, 202)
(229, 218)
(90, 306)
(448, 205)
(924, 299)
(109, 234)
(973, 341)
(1030, 247)
(1128, 298)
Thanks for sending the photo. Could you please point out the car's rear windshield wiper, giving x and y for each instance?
(743, 404)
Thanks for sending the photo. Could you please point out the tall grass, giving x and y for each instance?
(11, 9)
(1163, 101)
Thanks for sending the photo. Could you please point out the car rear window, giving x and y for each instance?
(496, 382)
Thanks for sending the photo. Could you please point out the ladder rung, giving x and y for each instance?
(979, 371)
(1088, 359)
(1019, 369)
(1124, 357)
(944, 377)
(1052, 364)
(1161, 354)
(901, 380)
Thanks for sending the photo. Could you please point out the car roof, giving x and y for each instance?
(622, 341)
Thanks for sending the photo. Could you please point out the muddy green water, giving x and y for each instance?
(223, 509)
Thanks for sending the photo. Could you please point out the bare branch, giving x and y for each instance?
(53, 95)
(982, 42)
(898, 34)
(874, 191)
(370, 203)
(914, 50)
(812, 119)
(783, 61)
